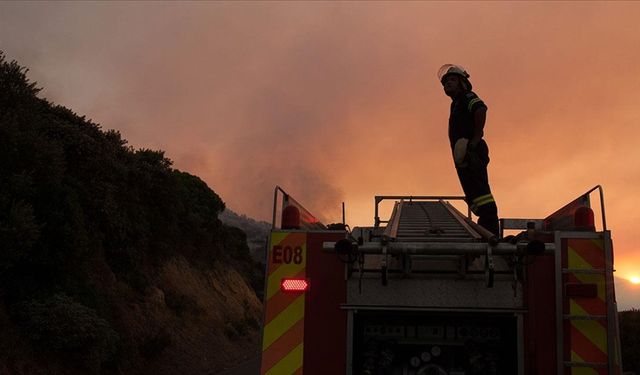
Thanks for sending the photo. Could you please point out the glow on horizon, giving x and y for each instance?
(635, 280)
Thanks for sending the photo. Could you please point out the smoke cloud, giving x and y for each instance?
(339, 101)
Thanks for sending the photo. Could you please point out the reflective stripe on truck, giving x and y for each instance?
(283, 334)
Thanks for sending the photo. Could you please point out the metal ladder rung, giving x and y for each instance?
(427, 231)
(584, 317)
(586, 364)
(435, 257)
(584, 271)
(435, 239)
(422, 222)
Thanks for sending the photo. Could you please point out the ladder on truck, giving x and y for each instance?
(429, 222)
(587, 323)
(425, 230)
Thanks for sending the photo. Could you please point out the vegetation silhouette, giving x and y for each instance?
(630, 339)
(88, 225)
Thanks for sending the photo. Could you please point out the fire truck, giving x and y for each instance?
(426, 291)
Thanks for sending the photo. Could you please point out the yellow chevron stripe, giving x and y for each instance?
(594, 331)
(289, 364)
(575, 261)
(581, 370)
(575, 357)
(598, 242)
(283, 322)
(575, 309)
(278, 237)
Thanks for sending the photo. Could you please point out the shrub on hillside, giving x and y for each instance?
(59, 324)
(153, 346)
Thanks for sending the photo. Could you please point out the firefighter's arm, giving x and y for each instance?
(479, 118)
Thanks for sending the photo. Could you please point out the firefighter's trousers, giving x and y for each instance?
(475, 184)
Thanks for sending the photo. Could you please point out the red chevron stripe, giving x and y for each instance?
(280, 301)
(589, 251)
(571, 278)
(283, 346)
(585, 348)
(593, 306)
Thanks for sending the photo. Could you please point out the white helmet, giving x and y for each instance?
(448, 69)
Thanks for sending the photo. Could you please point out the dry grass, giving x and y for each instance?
(212, 318)
(187, 321)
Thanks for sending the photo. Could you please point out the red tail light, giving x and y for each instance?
(291, 218)
(294, 285)
(583, 218)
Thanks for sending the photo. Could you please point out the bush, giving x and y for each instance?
(241, 326)
(180, 303)
(18, 233)
(153, 346)
(61, 325)
(630, 339)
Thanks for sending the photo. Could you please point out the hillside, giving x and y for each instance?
(111, 261)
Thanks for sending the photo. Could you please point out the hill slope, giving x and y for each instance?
(111, 261)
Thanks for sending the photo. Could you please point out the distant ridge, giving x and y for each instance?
(257, 232)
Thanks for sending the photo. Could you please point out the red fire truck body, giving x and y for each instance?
(429, 292)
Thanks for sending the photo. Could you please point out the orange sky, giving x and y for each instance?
(340, 102)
